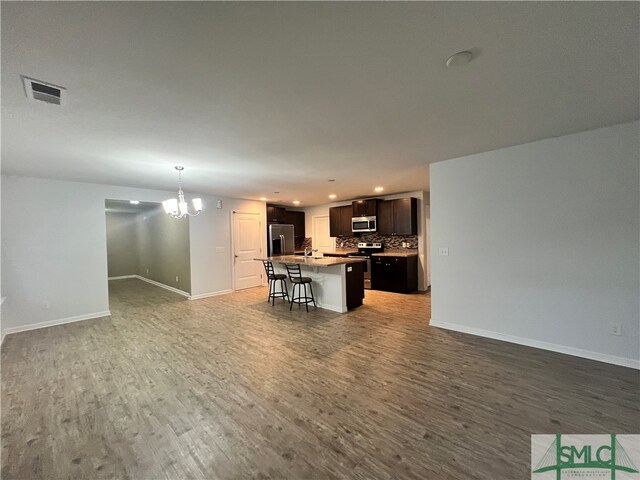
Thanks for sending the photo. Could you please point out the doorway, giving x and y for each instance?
(247, 240)
(144, 243)
(322, 241)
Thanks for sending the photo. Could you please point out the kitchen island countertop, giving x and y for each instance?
(312, 262)
(337, 282)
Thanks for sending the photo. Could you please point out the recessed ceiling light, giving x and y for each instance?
(296, 202)
(134, 202)
(459, 59)
(332, 196)
(263, 199)
(379, 189)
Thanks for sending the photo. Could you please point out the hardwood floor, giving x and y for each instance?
(230, 387)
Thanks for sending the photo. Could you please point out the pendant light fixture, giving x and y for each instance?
(179, 208)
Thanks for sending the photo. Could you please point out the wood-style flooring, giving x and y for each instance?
(230, 387)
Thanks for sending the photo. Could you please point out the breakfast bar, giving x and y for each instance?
(338, 283)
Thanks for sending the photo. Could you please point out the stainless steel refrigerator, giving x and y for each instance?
(281, 240)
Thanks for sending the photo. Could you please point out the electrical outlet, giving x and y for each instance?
(219, 249)
(443, 251)
(46, 305)
(147, 271)
(177, 279)
(615, 329)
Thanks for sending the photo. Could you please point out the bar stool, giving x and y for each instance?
(274, 277)
(295, 275)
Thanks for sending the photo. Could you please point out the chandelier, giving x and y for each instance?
(179, 208)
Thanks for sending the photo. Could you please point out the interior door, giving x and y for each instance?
(321, 239)
(247, 235)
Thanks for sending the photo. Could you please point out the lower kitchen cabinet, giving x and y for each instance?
(394, 274)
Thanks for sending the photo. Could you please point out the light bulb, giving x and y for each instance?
(170, 206)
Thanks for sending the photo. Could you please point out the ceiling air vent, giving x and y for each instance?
(45, 92)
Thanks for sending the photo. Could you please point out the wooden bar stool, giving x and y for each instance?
(295, 275)
(274, 277)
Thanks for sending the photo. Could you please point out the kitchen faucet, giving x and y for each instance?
(308, 251)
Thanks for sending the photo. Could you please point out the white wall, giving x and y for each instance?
(423, 200)
(211, 271)
(54, 247)
(543, 244)
(162, 247)
(122, 243)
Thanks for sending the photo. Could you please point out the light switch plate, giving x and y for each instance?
(443, 251)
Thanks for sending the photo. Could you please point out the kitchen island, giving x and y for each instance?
(338, 283)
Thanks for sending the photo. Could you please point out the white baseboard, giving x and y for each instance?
(51, 323)
(576, 352)
(122, 277)
(162, 285)
(210, 294)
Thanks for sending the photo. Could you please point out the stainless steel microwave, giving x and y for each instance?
(363, 224)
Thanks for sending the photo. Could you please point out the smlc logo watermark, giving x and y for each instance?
(575, 457)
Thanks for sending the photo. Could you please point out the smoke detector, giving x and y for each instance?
(43, 91)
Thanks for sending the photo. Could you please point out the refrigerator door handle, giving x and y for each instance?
(284, 244)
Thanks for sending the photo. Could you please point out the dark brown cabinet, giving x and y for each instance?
(340, 221)
(282, 215)
(394, 274)
(297, 220)
(276, 214)
(365, 208)
(386, 224)
(398, 217)
(345, 221)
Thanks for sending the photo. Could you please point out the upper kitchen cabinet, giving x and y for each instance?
(365, 208)
(386, 224)
(405, 211)
(398, 217)
(340, 221)
(276, 214)
(297, 220)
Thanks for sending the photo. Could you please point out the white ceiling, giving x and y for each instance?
(260, 97)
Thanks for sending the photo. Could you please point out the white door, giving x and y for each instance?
(320, 234)
(247, 235)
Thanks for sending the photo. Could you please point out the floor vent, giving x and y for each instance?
(45, 92)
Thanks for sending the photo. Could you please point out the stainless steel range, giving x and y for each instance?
(364, 251)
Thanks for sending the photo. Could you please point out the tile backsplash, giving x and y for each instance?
(302, 243)
(388, 241)
(394, 241)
